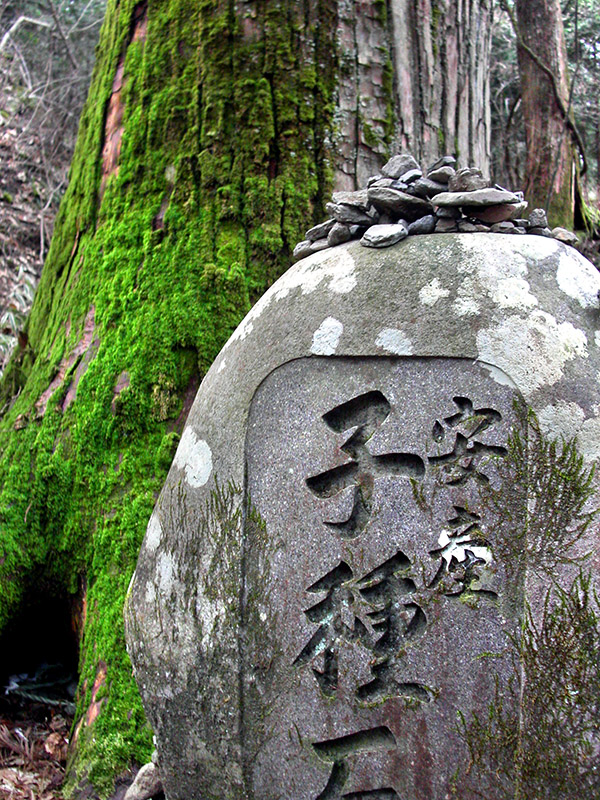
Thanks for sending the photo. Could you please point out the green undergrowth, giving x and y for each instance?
(223, 164)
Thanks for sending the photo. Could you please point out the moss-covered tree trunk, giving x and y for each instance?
(213, 134)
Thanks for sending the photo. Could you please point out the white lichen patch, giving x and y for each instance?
(150, 595)
(432, 292)
(588, 439)
(222, 365)
(459, 547)
(465, 306)
(513, 293)
(165, 571)
(208, 613)
(327, 337)
(561, 420)
(498, 272)
(335, 267)
(153, 533)
(395, 341)
(578, 278)
(194, 457)
(533, 350)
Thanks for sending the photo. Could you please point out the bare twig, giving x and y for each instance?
(63, 35)
(41, 23)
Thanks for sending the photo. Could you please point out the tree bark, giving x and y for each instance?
(550, 169)
(213, 135)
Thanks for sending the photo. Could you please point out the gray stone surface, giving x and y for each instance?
(384, 235)
(147, 784)
(446, 225)
(320, 231)
(477, 198)
(538, 231)
(441, 174)
(502, 227)
(398, 165)
(398, 202)
(497, 213)
(395, 371)
(358, 199)
(422, 225)
(444, 161)
(426, 188)
(467, 179)
(350, 215)
(338, 234)
(538, 218)
(411, 175)
(564, 235)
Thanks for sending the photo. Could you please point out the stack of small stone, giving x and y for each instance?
(402, 202)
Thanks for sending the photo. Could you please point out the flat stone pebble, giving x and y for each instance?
(307, 248)
(358, 199)
(446, 226)
(398, 165)
(468, 179)
(384, 235)
(319, 231)
(147, 784)
(339, 234)
(497, 213)
(349, 214)
(539, 231)
(441, 174)
(382, 182)
(399, 203)
(410, 176)
(464, 226)
(422, 225)
(538, 218)
(478, 198)
(449, 212)
(563, 235)
(444, 161)
(426, 188)
(502, 227)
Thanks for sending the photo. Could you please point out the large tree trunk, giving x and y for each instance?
(213, 134)
(550, 169)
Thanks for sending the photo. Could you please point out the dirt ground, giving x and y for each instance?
(33, 750)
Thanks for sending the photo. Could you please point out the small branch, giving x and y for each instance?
(63, 35)
(41, 23)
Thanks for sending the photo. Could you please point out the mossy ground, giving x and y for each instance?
(223, 163)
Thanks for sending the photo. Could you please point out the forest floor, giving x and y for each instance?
(33, 751)
(29, 193)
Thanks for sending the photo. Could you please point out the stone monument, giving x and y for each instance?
(336, 563)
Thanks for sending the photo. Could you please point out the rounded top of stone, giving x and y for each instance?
(451, 295)
(521, 310)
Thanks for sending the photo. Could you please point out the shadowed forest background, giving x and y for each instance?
(212, 137)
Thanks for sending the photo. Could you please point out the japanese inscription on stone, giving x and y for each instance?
(381, 595)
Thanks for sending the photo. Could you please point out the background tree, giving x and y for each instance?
(547, 109)
(213, 133)
(544, 86)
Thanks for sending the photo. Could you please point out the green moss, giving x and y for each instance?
(224, 162)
